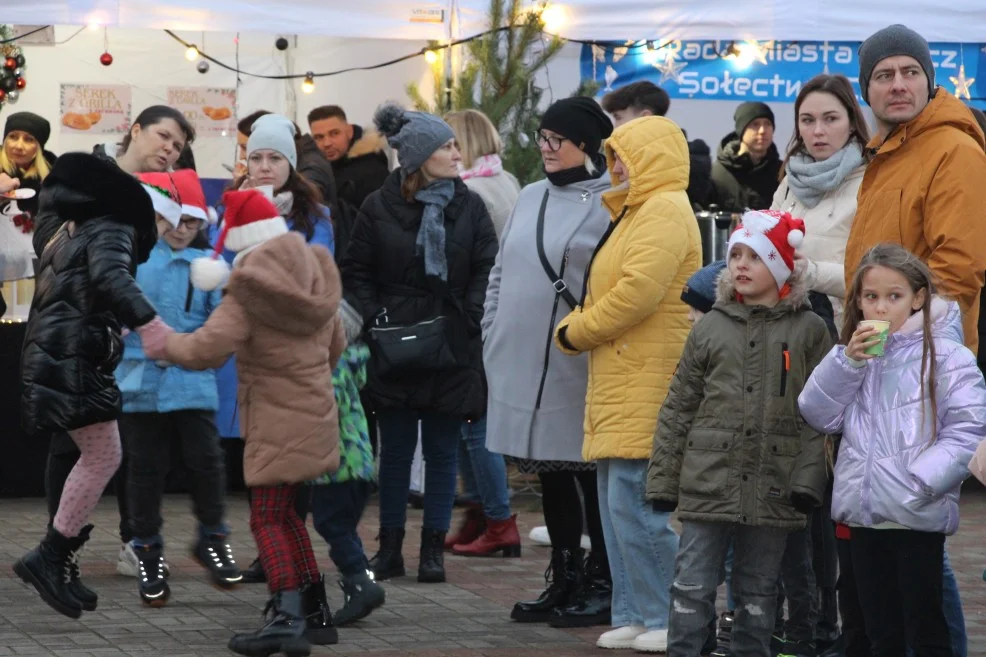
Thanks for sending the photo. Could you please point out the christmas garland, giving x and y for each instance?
(12, 65)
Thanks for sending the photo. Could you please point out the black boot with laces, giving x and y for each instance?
(47, 568)
(85, 595)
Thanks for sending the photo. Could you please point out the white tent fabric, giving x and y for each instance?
(809, 20)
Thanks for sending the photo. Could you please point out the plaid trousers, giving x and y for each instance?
(282, 538)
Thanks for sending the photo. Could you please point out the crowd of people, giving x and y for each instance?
(807, 408)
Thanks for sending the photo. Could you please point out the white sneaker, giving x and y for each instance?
(128, 565)
(539, 535)
(653, 641)
(622, 638)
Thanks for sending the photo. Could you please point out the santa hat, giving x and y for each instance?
(250, 220)
(191, 196)
(163, 195)
(773, 236)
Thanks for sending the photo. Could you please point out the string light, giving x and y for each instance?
(191, 53)
(431, 56)
(554, 17)
(308, 86)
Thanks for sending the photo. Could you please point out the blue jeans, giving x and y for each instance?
(756, 567)
(439, 444)
(640, 543)
(336, 512)
(484, 474)
(952, 606)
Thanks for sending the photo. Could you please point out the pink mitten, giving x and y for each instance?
(154, 336)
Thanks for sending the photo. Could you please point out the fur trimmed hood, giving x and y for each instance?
(796, 300)
(82, 187)
(366, 142)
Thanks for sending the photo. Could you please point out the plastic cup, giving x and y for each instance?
(883, 328)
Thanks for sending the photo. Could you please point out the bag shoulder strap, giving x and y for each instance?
(561, 287)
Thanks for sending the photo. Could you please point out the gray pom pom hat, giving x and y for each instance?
(414, 135)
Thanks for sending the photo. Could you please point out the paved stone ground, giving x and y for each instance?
(466, 617)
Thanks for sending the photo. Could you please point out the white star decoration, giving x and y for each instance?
(760, 50)
(962, 84)
(670, 69)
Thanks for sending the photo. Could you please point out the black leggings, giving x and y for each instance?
(563, 510)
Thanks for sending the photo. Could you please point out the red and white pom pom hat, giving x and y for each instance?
(774, 236)
(250, 219)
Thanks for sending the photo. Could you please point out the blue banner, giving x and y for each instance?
(766, 71)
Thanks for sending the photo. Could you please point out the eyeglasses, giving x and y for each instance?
(190, 224)
(554, 143)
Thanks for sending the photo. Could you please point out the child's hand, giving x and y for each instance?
(154, 338)
(862, 339)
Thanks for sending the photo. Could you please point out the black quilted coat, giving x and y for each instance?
(85, 291)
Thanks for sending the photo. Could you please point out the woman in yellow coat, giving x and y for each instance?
(634, 325)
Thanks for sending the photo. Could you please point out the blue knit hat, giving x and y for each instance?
(700, 290)
(414, 135)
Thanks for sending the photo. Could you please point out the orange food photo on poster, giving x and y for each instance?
(77, 121)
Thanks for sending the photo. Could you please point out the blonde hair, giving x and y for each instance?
(475, 134)
(39, 167)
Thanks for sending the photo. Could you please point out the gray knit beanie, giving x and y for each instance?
(276, 133)
(890, 42)
(415, 135)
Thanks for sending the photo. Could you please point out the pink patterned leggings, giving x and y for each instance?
(101, 454)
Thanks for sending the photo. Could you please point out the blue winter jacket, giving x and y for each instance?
(146, 386)
(228, 417)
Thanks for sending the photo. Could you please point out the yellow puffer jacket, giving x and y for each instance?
(632, 319)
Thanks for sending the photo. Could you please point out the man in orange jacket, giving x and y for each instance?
(923, 186)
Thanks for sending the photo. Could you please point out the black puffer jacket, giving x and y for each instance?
(85, 291)
(739, 184)
(699, 174)
(382, 270)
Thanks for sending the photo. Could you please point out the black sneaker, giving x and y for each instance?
(152, 579)
(798, 649)
(215, 555)
(723, 636)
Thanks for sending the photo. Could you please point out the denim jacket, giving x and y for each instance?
(148, 387)
(889, 472)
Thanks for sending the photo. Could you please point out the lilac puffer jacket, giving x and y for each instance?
(888, 470)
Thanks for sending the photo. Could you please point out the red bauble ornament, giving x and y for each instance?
(21, 83)
(106, 59)
(10, 63)
(3, 95)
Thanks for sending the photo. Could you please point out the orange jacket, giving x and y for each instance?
(923, 190)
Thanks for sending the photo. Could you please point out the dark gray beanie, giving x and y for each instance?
(749, 112)
(414, 135)
(890, 42)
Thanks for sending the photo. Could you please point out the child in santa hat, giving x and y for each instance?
(731, 452)
(280, 317)
(162, 404)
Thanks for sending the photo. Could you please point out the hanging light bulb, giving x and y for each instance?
(431, 56)
(308, 86)
(191, 53)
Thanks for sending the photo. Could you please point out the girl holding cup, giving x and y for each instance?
(911, 419)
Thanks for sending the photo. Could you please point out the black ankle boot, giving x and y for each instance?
(362, 594)
(591, 603)
(284, 632)
(318, 619)
(431, 564)
(47, 568)
(255, 573)
(85, 595)
(389, 561)
(562, 578)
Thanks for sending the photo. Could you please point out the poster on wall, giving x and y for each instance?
(210, 111)
(770, 71)
(95, 109)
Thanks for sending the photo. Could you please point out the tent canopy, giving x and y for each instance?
(806, 20)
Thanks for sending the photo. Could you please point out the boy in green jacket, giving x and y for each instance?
(732, 453)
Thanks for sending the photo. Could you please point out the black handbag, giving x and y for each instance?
(419, 347)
